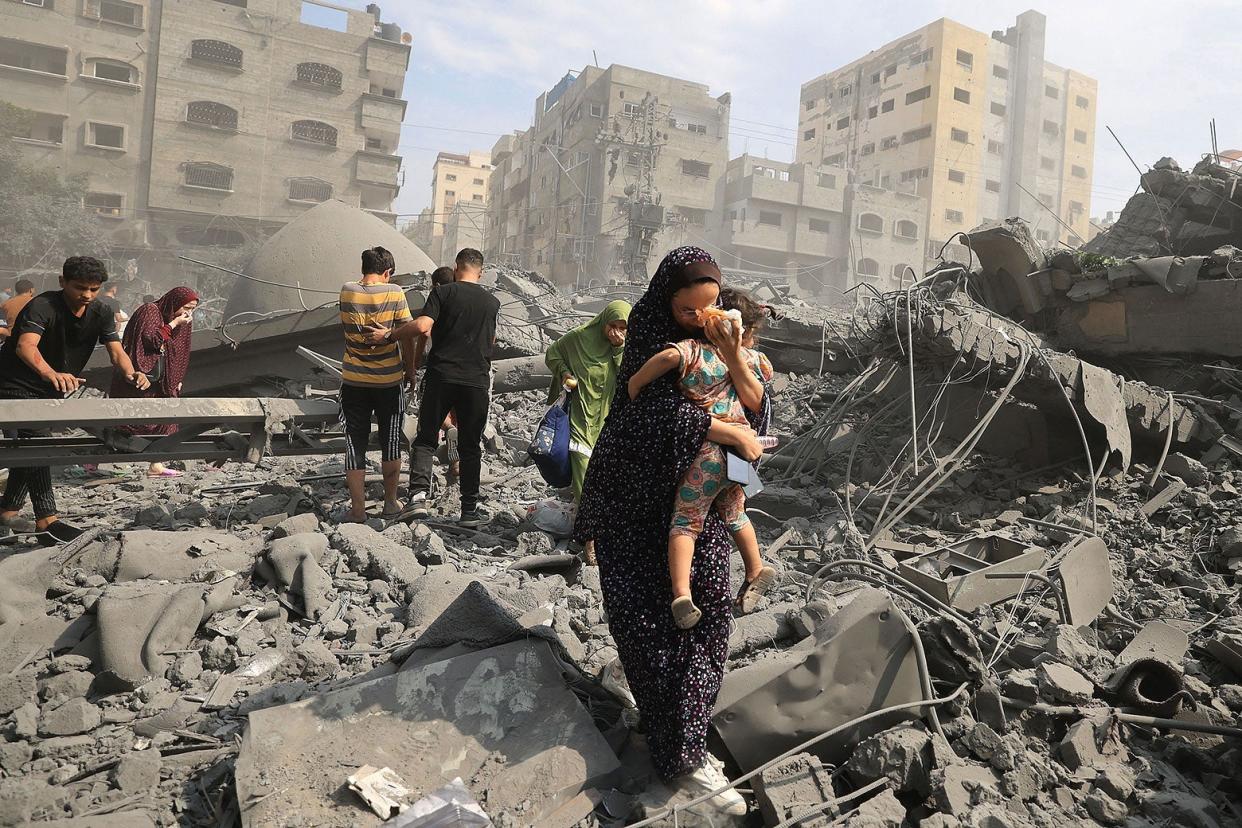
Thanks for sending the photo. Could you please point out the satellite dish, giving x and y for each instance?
(407, 38)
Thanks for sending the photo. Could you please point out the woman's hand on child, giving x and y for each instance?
(724, 335)
(747, 445)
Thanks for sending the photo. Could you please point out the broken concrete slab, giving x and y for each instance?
(453, 718)
(172, 556)
(794, 787)
(291, 565)
(375, 556)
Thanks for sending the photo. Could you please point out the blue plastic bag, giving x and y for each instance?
(550, 447)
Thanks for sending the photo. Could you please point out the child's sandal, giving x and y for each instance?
(750, 593)
(685, 613)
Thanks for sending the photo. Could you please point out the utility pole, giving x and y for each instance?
(638, 142)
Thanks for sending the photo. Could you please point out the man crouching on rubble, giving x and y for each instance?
(463, 316)
(52, 339)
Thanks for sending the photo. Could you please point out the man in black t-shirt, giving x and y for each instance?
(462, 315)
(52, 340)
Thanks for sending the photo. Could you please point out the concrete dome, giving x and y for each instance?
(319, 251)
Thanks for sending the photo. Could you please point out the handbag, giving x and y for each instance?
(549, 449)
(157, 373)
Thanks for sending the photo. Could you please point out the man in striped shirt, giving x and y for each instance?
(373, 379)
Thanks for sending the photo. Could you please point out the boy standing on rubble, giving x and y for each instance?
(52, 339)
(462, 315)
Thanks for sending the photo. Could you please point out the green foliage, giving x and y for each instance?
(14, 120)
(1095, 261)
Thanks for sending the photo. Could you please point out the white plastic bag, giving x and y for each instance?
(556, 517)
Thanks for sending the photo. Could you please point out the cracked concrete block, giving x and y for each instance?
(793, 787)
(1190, 471)
(962, 786)
(1106, 810)
(884, 810)
(70, 718)
(900, 753)
(1079, 749)
(1061, 684)
(291, 566)
(187, 667)
(14, 755)
(70, 685)
(296, 525)
(375, 556)
(138, 771)
(428, 546)
(502, 719)
(1116, 780)
(67, 663)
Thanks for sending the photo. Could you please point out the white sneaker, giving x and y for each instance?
(710, 777)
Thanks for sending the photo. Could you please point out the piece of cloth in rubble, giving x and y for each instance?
(641, 455)
(586, 353)
(147, 332)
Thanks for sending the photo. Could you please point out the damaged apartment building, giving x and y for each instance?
(203, 126)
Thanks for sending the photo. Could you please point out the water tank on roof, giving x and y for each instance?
(390, 31)
(374, 11)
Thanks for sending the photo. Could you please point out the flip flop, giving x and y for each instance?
(450, 446)
(387, 515)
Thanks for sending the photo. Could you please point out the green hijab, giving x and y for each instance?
(586, 353)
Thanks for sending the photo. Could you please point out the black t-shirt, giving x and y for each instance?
(465, 316)
(113, 305)
(66, 341)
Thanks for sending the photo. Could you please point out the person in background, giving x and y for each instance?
(53, 338)
(644, 450)
(108, 297)
(157, 341)
(372, 380)
(463, 317)
(441, 276)
(590, 355)
(23, 292)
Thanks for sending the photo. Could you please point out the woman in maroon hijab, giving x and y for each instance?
(157, 339)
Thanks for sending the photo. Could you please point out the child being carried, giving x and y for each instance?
(705, 380)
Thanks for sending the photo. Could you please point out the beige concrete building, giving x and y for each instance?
(456, 179)
(84, 70)
(618, 165)
(203, 124)
(980, 126)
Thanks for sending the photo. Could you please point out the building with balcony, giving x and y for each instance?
(617, 166)
(209, 123)
(981, 127)
(456, 179)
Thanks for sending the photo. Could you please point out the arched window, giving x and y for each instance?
(216, 51)
(871, 223)
(868, 267)
(315, 132)
(900, 273)
(906, 229)
(211, 114)
(309, 189)
(319, 74)
(207, 176)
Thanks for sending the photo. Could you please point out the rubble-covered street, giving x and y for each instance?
(1008, 541)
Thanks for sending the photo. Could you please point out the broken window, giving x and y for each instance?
(112, 70)
(996, 147)
(953, 216)
(309, 189)
(809, 135)
(998, 109)
(1080, 136)
(770, 217)
(1046, 163)
(313, 132)
(961, 95)
(630, 109)
(1051, 91)
(35, 57)
(826, 180)
(965, 59)
(835, 160)
(959, 135)
(906, 229)
(695, 169)
(869, 268)
(912, 135)
(108, 205)
(105, 136)
(1078, 172)
(843, 122)
(887, 106)
(871, 223)
(44, 128)
(217, 52)
(889, 142)
(914, 175)
(211, 114)
(819, 225)
(992, 186)
(207, 176)
(957, 176)
(918, 95)
(320, 74)
(867, 149)
(117, 11)
(999, 71)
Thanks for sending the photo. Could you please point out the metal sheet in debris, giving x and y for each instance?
(1101, 394)
(1086, 579)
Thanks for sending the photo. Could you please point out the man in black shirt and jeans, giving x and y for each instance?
(52, 339)
(462, 315)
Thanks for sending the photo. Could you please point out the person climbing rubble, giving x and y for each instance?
(463, 316)
(726, 382)
(53, 337)
(373, 380)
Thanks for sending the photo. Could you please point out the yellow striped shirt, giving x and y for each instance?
(363, 305)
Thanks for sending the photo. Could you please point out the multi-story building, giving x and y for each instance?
(456, 179)
(616, 162)
(782, 217)
(84, 69)
(981, 127)
(206, 123)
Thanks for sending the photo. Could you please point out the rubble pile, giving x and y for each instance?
(1008, 595)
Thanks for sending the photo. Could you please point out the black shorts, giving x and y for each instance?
(359, 404)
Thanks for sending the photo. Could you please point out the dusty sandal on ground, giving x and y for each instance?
(166, 473)
(413, 511)
(57, 533)
(343, 516)
(750, 593)
(389, 514)
(685, 613)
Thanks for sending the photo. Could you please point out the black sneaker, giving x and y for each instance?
(59, 532)
(471, 518)
(416, 509)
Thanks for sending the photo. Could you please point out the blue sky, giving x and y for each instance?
(1163, 69)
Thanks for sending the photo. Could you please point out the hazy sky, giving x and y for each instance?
(1163, 69)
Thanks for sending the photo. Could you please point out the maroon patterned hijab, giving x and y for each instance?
(143, 339)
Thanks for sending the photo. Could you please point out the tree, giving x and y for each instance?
(42, 220)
